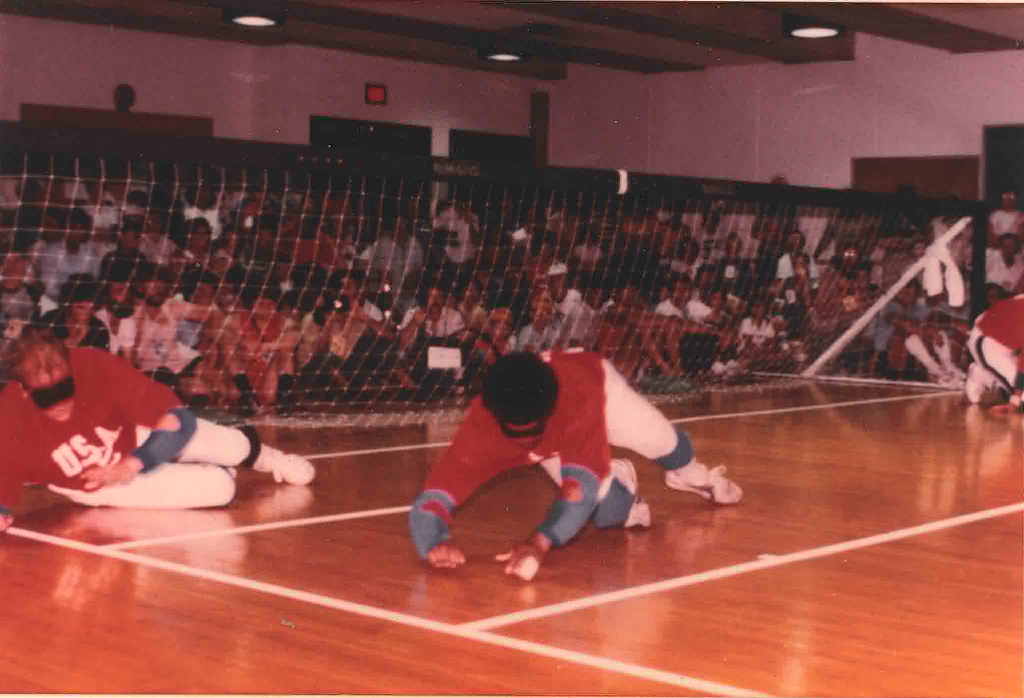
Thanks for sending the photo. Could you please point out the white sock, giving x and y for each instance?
(916, 347)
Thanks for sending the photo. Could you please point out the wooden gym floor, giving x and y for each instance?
(877, 552)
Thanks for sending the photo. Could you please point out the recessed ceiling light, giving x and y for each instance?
(815, 32)
(252, 19)
(804, 28)
(503, 57)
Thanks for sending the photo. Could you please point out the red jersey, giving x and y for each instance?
(576, 432)
(111, 399)
(1004, 322)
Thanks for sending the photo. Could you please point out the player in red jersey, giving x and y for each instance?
(97, 431)
(996, 343)
(562, 411)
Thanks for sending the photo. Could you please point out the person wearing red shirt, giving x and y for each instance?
(101, 433)
(562, 411)
(996, 343)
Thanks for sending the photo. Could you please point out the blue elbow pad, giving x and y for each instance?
(567, 518)
(428, 520)
(162, 445)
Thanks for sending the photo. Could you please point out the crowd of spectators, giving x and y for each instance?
(259, 301)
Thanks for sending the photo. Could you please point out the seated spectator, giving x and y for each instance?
(733, 273)
(398, 257)
(157, 351)
(434, 325)
(1006, 219)
(1004, 265)
(434, 320)
(837, 305)
(19, 298)
(259, 347)
(686, 258)
(579, 320)
(471, 306)
(795, 248)
(155, 243)
(364, 310)
(456, 230)
(545, 329)
(200, 203)
(116, 307)
(67, 252)
(73, 321)
(589, 253)
(759, 348)
(628, 336)
(127, 251)
(794, 299)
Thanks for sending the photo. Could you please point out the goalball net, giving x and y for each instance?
(287, 283)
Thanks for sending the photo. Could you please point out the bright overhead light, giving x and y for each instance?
(503, 57)
(805, 28)
(815, 32)
(502, 54)
(252, 19)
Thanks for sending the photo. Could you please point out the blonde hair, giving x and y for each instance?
(33, 342)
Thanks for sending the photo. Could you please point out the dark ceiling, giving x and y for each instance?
(643, 37)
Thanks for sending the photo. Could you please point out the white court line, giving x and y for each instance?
(699, 418)
(742, 568)
(602, 663)
(256, 527)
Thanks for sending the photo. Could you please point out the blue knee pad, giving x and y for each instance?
(428, 520)
(567, 518)
(613, 510)
(680, 455)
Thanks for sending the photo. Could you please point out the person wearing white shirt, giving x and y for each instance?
(579, 321)
(1006, 219)
(1004, 265)
(435, 319)
(56, 257)
(545, 329)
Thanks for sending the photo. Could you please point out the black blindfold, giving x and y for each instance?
(58, 392)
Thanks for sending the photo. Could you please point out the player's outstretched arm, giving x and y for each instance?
(168, 439)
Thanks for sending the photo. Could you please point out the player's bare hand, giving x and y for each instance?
(525, 559)
(446, 555)
(5, 522)
(119, 473)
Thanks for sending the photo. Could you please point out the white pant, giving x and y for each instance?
(632, 421)
(995, 357)
(203, 475)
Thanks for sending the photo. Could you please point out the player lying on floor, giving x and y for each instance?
(100, 433)
(996, 343)
(563, 411)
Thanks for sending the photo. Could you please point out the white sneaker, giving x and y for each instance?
(709, 483)
(286, 467)
(639, 515)
(978, 380)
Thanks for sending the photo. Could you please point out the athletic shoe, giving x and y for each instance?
(286, 467)
(709, 483)
(978, 380)
(639, 515)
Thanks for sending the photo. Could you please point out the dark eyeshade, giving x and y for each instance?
(58, 392)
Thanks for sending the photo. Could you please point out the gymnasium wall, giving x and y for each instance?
(745, 123)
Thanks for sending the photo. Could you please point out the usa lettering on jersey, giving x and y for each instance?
(78, 453)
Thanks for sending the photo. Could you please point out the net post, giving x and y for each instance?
(869, 315)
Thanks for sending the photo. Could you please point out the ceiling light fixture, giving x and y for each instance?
(806, 28)
(502, 55)
(253, 19)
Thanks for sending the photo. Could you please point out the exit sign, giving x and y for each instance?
(376, 94)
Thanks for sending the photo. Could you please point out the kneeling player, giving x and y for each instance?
(562, 411)
(996, 342)
(102, 434)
